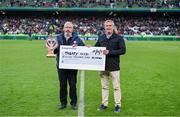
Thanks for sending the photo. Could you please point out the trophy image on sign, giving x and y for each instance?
(51, 44)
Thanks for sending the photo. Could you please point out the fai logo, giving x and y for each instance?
(97, 52)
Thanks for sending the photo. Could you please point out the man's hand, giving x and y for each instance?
(105, 52)
(74, 45)
(88, 46)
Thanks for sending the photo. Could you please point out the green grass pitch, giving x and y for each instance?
(150, 81)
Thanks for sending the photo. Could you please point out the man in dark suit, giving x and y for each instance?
(67, 76)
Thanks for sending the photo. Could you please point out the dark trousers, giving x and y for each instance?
(65, 77)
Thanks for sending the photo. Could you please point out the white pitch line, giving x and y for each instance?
(81, 95)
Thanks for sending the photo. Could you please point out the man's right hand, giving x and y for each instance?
(88, 46)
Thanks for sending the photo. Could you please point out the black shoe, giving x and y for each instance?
(63, 106)
(117, 109)
(73, 107)
(102, 107)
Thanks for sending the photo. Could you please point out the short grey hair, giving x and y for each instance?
(69, 23)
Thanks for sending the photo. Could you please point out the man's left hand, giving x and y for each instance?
(105, 52)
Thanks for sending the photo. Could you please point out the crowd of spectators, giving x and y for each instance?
(90, 25)
(93, 3)
(153, 3)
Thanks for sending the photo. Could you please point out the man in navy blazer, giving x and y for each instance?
(67, 76)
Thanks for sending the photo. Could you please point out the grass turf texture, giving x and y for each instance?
(150, 81)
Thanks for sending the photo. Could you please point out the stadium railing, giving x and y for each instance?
(54, 9)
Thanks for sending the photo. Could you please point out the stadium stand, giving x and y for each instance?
(93, 3)
(132, 17)
(90, 25)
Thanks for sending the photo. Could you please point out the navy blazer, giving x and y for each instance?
(60, 40)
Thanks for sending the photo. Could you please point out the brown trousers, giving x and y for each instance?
(115, 76)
